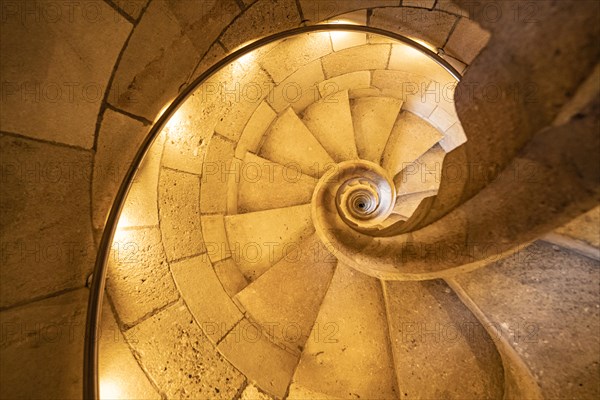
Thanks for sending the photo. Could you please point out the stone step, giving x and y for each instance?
(248, 347)
(410, 138)
(348, 354)
(286, 299)
(290, 143)
(255, 129)
(349, 81)
(407, 59)
(373, 119)
(407, 204)
(215, 177)
(330, 121)
(299, 90)
(258, 240)
(179, 358)
(440, 348)
(422, 175)
(295, 52)
(265, 185)
(360, 58)
(408, 87)
(179, 211)
(205, 296)
(138, 268)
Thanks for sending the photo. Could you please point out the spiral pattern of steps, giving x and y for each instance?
(257, 277)
(236, 275)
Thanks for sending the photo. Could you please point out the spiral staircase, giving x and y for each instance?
(278, 240)
(299, 199)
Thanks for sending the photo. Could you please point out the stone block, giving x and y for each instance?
(451, 7)
(44, 340)
(260, 239)
(189, 131)
(433, 27)
(56, 62)
(118, 140)
(255, 129)
(352, 80)
(467, 40)
(46, 235)
(217, 170)
(139, 281)
(442, 119)
(352, 342)
(318, 10)
(179, 210)
(291, 144)
(141, 206)
(180, 358)
(262, 18)
(298, 90)
(356, 59)
(295, 52)
(215, 237)
(249, 349)
(204, 295)
(230, 276)
(156, 61)
(407, 59)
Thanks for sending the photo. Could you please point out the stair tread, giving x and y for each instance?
(288, 296)
(248, 348)
(348, 352)
(373, 119)
(424, 174)
(439, 345)
(408, 203)
(330, 121)
(257, 239)
(266, 185)
(205, 296)
(255, 129)
(290, 143)
(411, 137)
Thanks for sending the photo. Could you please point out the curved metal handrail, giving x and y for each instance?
(94, 310)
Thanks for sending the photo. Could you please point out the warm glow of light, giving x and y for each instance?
(174, 122)
(162, 111)
(343, 21)
(339, 35)
(426, 44)
(241, 46)
(109, 390)
(345, 39)
(409, 52)
(124, 222)
(243, 63)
